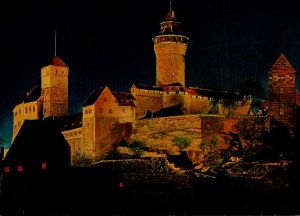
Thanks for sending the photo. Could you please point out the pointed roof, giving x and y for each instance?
(56, 61)
(282, 65)
(171, 25)
(94, 96)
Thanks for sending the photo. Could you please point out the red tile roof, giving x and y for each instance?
(58, 62)
(124, 99)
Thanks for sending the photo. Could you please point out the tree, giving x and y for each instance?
(209, 150)
(254, 91)
(137, 147)
(181, 142)
(81, 159)
(251, 131)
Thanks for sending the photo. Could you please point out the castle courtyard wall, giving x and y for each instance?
(157, 133)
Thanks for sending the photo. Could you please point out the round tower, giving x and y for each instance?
(170, 48)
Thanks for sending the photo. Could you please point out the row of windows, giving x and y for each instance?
(17, 125)
(89, 111)
(73, 133)
(56, 72)
(20, 168)
(27, 109)
(281, 77)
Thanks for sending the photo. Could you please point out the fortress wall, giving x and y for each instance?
(199, 105)
(157, 133)
(173, 98)
(74, 138)
(109, 132)
(147, 100)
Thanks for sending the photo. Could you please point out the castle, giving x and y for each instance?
(152, 114)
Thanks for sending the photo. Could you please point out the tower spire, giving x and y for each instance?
(55, 43)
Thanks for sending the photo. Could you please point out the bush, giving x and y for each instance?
(81, 159)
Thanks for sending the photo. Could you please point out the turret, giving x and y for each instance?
(170, 48)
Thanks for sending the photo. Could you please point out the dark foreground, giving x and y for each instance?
(78, 191)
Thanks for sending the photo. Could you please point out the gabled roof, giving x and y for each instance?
(94, 96)
(38, 141)
(282, 65)
(33, 95)
(124, 99)
(56, 61)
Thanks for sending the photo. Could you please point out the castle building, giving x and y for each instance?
(282, 93)
(152, 114)
(170, 47)
(49, 99)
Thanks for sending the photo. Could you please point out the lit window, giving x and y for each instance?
(44, 165)
(281, 90)
(281, 110)
(20, 168)
(6, 169)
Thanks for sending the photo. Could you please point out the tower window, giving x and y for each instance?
(281, 110)
(281, 90)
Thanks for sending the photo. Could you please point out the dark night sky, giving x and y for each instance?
(110, 43)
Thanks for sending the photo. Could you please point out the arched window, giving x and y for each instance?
(281, 110)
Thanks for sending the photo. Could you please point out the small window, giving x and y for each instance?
(20, 168)
(110, 111)
(44, 165)
(281, 110)
(281, 90)
(105, 99)
(33, 109)
(57, 109)
(86, 111)
(100, 110)
(25, 109)
(6, 169)
(16, 113)
(90, 111)
(29, 109)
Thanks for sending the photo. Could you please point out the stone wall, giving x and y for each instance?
(157, 133)
(147, 100)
